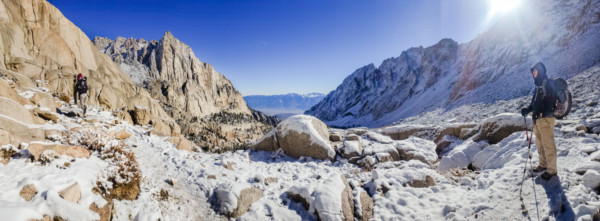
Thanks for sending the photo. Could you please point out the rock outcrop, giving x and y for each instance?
(38, 44)
(202, 101)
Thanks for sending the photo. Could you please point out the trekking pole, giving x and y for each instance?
(523, 209)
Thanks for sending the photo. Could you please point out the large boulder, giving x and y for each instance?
(36, 149)
(496, 128)
(303, 135)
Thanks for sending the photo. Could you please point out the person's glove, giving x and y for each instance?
(524, 112)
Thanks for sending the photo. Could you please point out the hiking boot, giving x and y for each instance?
(547, 176)
(539, 169)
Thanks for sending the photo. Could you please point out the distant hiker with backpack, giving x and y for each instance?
(81, 90)
(548, 103)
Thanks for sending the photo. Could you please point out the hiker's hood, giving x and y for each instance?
(541, 73)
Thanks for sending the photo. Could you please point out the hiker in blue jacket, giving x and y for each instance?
(542, 105)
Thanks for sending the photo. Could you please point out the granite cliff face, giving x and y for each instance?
(494, 66)
(39, 45)
(205, 104)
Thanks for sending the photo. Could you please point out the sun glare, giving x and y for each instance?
(502, 6)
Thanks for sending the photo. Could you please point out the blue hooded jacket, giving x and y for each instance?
(544, 97)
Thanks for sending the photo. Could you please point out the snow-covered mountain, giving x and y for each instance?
(494, 66)
(286, 103)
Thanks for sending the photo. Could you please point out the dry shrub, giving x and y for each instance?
(123, 174)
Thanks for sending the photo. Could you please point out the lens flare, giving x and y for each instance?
(502, 6)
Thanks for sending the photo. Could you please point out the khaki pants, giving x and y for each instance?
(83, 102)
(544, 140)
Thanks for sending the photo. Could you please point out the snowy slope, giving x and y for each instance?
(490, 192)
(494, 66)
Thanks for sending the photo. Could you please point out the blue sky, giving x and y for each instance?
(283, 46)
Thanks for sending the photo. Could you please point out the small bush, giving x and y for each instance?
(123, 174)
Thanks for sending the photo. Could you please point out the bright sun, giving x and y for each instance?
(502, 6)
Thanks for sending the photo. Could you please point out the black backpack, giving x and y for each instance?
(82, 87)
(563, 97)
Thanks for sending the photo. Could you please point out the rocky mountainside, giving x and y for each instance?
(285, 103)
(39, 47)
(494, 66)
(204, 103)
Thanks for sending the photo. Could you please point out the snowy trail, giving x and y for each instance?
(159, 161)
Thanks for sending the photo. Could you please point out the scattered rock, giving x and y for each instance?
(353, 137)
(347, 201)
(591, 179)
(593, 103)
(120, 134)
(429, 181)
(46, 115)
(36, 149)
(401, 132)
(333, 200)
(105, 212)
(299, 199)
(366, 203)
(71, 193)
(270, 180)
(466, 133)
(596, 130)
(454, 130)
(351, 149)
(229, 165)
(28, 192)
(140, 115)
(358, 130)
(335, 137)
(581, 128)
(211, 176)
(171, 181)
(53, 134)
(442, 145)
(183, 143)
(234, 202)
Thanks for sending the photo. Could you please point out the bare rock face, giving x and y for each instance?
(202, 101)
(39, 43)
(71, 193)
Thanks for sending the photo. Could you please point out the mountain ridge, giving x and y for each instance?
(493, 66)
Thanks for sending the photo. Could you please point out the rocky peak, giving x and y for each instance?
(190, 91)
